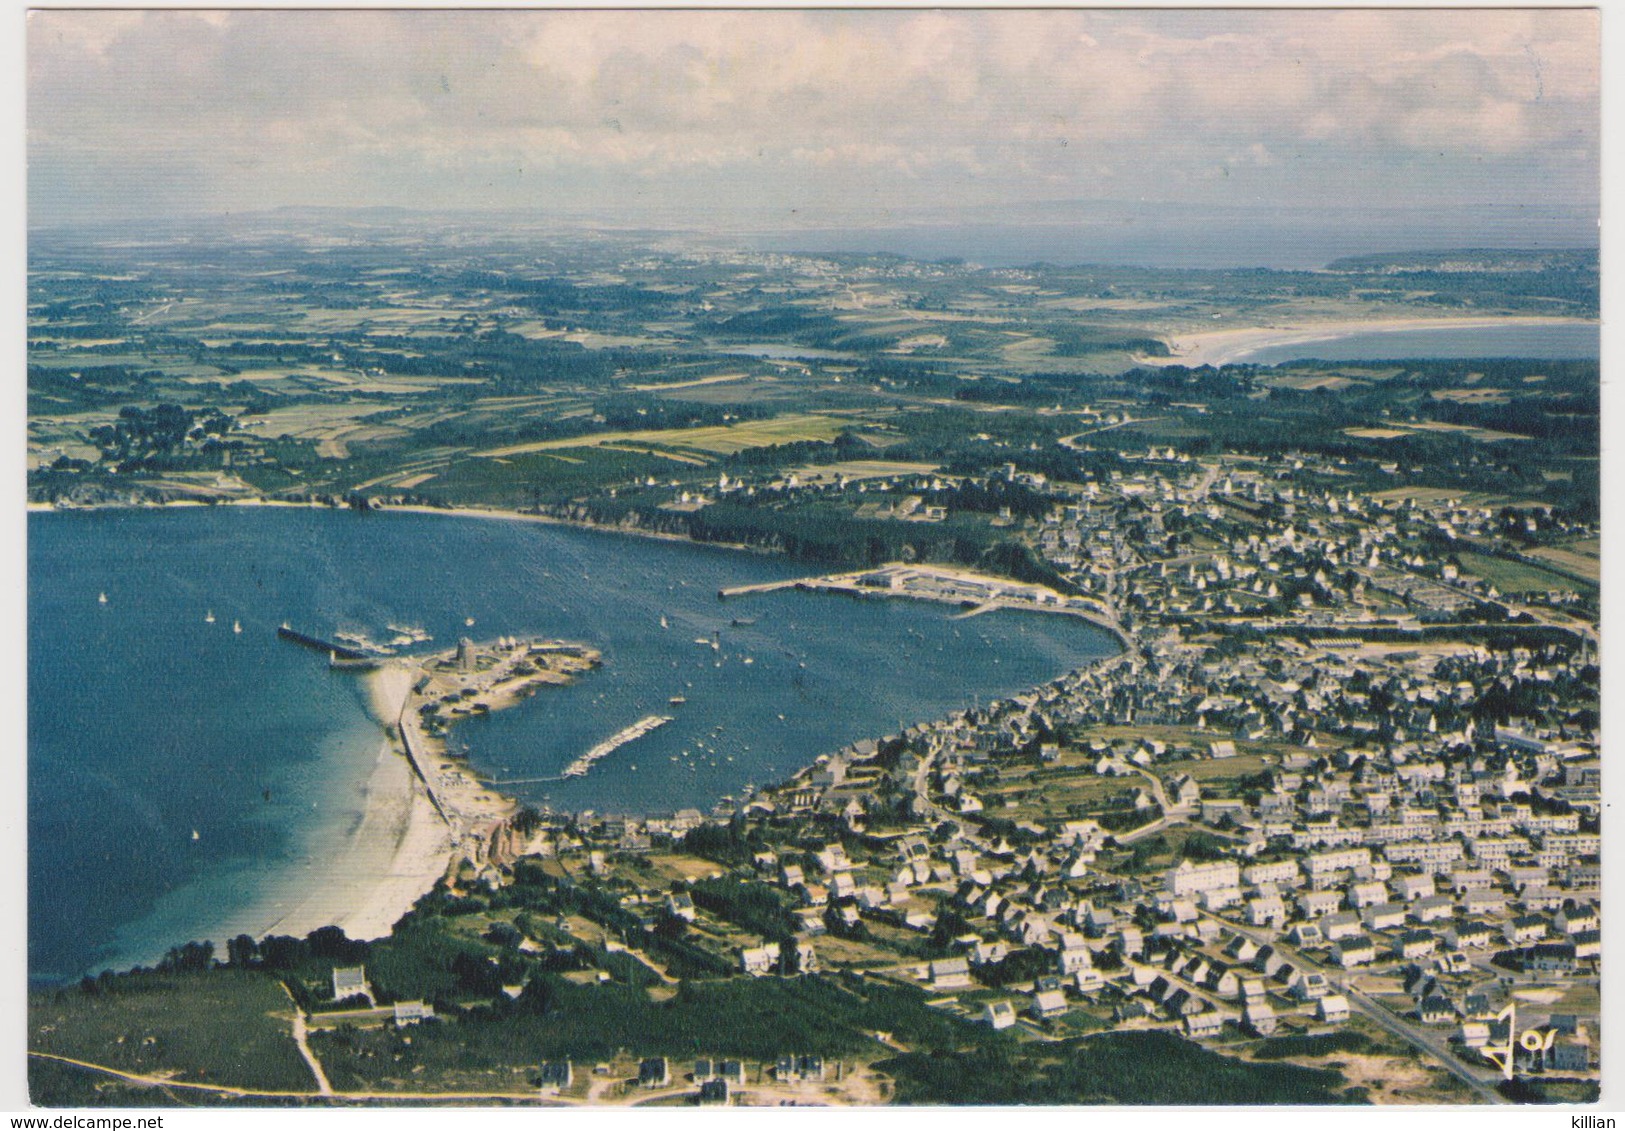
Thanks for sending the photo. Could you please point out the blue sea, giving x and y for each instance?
(1563, 341)
(177, 768)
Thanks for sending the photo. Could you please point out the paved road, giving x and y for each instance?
(1428, 1042)
(1435, 1045)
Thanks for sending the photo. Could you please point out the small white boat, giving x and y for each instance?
(664, 623)
(208, 617)
(195, 836)
(101, 599)
(237, 627)
(469, 622)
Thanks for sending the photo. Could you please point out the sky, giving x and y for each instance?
(816, 117)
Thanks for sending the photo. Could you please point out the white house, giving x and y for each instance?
(759, 960)
(1333, 1009)
(999, 1014)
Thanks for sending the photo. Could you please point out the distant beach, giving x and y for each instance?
(1217, 347)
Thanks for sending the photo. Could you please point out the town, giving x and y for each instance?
(1325, 828)
(1381, 808)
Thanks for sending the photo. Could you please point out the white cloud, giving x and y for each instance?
(1020, 102)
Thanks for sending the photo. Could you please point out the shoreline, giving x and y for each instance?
(1030, 597)
(462, 510)
(396, 849)
(1220, 347)
(468, 511)
(390, 859)
(404, 840)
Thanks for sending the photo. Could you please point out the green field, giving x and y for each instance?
(720, 440)
(1518, 577)
(1582, 558)
(749, 1018)
(223, 1027)
(524, 480)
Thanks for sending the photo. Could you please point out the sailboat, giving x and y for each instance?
(237, 627)
(664, 623)
(208, 617)
(101, 599)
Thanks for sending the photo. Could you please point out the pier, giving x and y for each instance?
(637, 730)
(406, 725)
(332, 647)
(975, 593)
(764, 587)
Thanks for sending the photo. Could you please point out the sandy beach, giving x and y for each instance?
(1216, 347)
(387, 689)
(392, 855)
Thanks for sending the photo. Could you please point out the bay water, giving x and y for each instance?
(177, 768)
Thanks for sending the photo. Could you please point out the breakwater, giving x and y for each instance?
(637, 730)
(332, 647)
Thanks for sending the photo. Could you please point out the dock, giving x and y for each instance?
(332, 647)
(974, 593)
(637, 730)
(764, 587)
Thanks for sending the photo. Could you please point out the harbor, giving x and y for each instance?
(776, 714)
(418, 698)
(975, 593)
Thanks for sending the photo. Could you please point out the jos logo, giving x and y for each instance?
(1530, 1040)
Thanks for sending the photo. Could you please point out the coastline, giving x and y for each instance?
(404, 837)
(392, 857)
(1218, 347)
(393, 854)
(465, 511)
(460, 510)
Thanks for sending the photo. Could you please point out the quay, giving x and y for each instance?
(637, 730)
(764, 587)
(332, 647)
(975, 593)
(406, 725)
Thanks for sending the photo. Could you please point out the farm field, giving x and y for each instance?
(723, 440)
(1518, 577)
